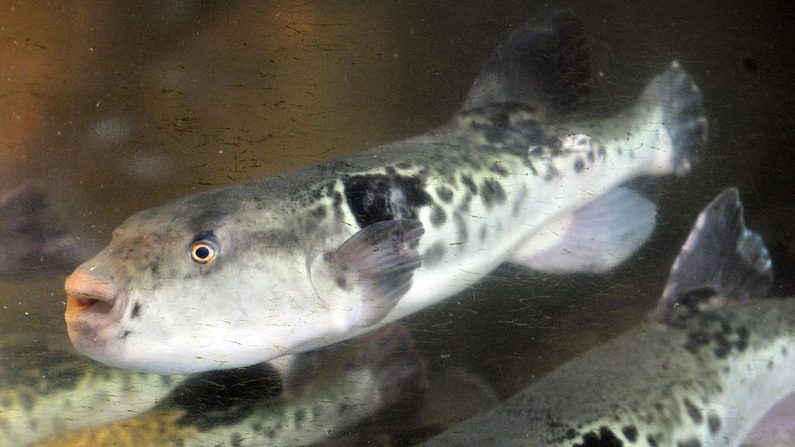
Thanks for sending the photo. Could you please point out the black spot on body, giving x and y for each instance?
(236, 440)
(693, 412)
(630, 432)
(579, 165)
(499, 169)
(136, 310)
(438, 216)
(444, 193)
(605, 438)
(469, 183)
(300, 417)
(434, 254)
(222, 398)
(389, 170)
(689, 443)
(713, 422)
(376, 198)
(491, 192)
(319, 212)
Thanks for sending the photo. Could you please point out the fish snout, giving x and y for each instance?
(87, 292)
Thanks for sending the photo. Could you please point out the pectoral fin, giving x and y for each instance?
(594, 238)
(365, 277)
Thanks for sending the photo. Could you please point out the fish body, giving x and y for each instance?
(702, 371)
(46, 389)
(325, 393)
(256, 271)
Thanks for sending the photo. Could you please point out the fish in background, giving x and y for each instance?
(256, 271)
(34, 240)
(702, 370)
(61, 399)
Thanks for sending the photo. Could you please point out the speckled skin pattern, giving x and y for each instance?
(696, 379)
(481, 186)
(47, 389)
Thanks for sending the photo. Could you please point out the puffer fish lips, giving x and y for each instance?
(94, 309)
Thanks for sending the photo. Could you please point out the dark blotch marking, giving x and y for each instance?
(605, 438)
(300, 417)
(373, 198)
(499, 169)
(434, 254)
(236, 440)
(713, 422)
(689, 443)
(319, 212)
(630, 432)
(390, 170)
(136, 310)
(579, 165)
(693, 412)
(438, 216)
(444, 193)
(469, 183)
(220, 398)
(491, 192)
(651, 440)
(602, 153)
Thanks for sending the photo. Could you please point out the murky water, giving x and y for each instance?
(112, 108)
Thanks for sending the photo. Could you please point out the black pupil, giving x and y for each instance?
(202, 252)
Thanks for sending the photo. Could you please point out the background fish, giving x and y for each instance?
(46, 388)
(701, 372)
(252, 272)
(327, 391)
(33, 237)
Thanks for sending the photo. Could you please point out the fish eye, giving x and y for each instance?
(203, 252)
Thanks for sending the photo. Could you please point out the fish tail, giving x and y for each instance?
(683, 119)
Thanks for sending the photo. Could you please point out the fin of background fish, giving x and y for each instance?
(33, 238)
(337, 388)
(543, 64)
(704, 375)
(720, 256)
(594, 238)
(376, 265)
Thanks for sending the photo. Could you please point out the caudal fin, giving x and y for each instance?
(682, 117)
(544, 64)
(720, 256)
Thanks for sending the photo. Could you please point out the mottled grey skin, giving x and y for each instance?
(702, 372)
(46, 388)
(480, 187)
(661, 384)
(326, 392)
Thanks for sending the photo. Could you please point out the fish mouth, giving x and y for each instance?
(89, 294)
(93, 311)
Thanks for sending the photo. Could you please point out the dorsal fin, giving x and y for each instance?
(720, 256)
(543, 64)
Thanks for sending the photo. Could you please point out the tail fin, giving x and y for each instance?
(683, 118)
(720, 256)
(32, 238)
(543, 64)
